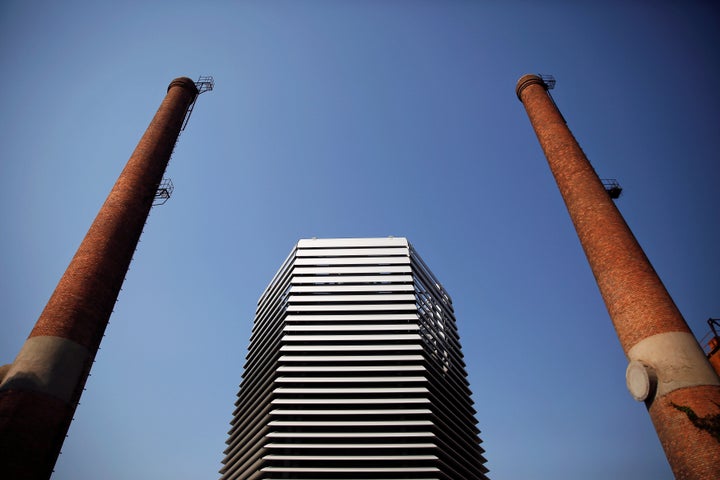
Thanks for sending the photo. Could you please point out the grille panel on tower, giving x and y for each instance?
(354, 371)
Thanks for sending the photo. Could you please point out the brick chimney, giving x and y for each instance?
(667, 368)
(40, 390)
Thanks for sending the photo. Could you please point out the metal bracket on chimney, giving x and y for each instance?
(164, 191)
(612, 187)
(204, 84)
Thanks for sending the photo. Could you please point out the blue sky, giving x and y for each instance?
(359, 118)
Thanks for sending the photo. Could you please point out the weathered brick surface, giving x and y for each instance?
(80, 306)
(634, 295)
(691, 449)
(638, 303)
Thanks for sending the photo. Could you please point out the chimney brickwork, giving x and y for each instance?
(42, 387)
(668, 369)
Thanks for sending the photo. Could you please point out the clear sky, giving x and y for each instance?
(359, 118)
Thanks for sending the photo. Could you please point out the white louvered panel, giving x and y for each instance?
(389, 297)
(413, 470)
(350, 434)
(352, 252)
(365, 279)
(349, 338)
(353, 379)
(348, 348)
(351, 358)
(352, 270)
(347, 401)
(357, 307)
(352, 261)
(352, 242)
(353, 328)
(337, 372)
(307, 317)
(350, 446)
(346, 368)
(350, 457)
(388, 411)
(351, 288)
(346, 391)
(349, 423)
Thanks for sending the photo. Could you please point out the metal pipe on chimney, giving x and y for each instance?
(41, 388)
(667, 368)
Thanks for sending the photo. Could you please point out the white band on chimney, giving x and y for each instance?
(51, 365)
(677, 360)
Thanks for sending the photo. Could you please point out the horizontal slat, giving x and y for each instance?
(352, 252)
(413, 470)
(349, 348)
(352, 242)
(351, 270)
(385, 411)
(382, 297)
(339, 423)
(373, 279)
(352, 317)
(351, 358)
(349, 379)
(350, 457)
(349, 434)
(351, 288)
(350, 446)
(353, 328)
(346, 401)
(347, 368)
(349, 338)
(353, 261)
(345, 391)
(357, 308)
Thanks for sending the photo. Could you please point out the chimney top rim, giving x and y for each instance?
(527, 80)
(184, 82)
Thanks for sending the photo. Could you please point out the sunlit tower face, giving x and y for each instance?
(354, 371)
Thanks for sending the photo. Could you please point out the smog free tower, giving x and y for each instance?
(40, 390)
(667, 368)
(354, 371)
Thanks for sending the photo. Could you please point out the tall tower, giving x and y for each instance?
(667, 368)
(40, 390)
(354, 371)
